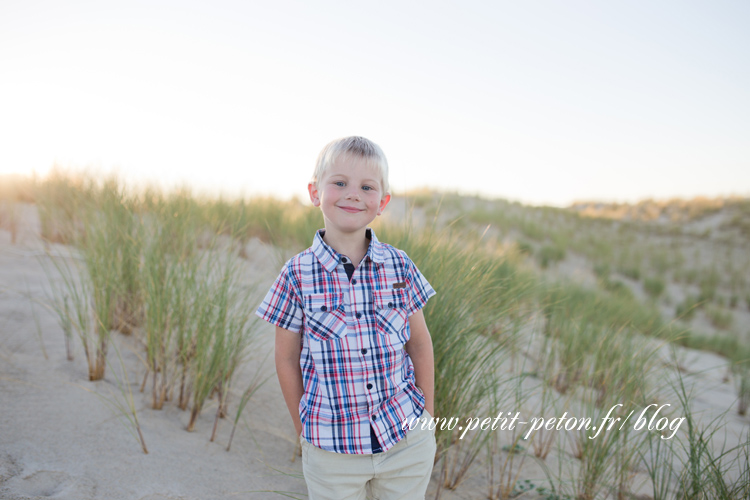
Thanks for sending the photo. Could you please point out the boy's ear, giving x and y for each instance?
(314, 195)
(383, 203)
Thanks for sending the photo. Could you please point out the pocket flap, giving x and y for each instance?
(323, 302)
(391, 299)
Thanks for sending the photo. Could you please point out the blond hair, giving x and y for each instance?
(357, 146)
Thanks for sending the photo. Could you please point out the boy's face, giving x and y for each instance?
(350, 194)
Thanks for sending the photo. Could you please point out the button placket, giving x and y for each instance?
(356, 298)
(371, 394)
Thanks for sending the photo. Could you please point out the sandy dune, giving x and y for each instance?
(60, 437)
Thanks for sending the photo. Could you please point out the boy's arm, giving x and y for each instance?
(287, 354)
(419, 348)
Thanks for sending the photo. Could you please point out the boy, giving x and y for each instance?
(353, 353)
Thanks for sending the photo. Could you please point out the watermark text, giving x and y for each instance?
(651, 418)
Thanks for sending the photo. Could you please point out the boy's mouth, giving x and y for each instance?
(351, 210)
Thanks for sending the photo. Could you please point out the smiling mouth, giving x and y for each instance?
(351, 210)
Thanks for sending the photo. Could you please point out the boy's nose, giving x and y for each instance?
(354, 194)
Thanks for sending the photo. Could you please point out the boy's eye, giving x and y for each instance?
(339, 183)
(367, 188)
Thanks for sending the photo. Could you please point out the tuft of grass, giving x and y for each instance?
(104, 252)
(104, 293)
(550, 254)
(525, 248)
(654, 287)
(71, 300)
(708, 282)
(704, 472)
(631, 272)
(658, 460)
(686, 309)
(720, 317)
(617, 287)
(222, 332)
(602, 271)
(592, 308)
(734, 301)
(137, 268)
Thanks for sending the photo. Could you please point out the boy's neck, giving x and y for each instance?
(353, 245)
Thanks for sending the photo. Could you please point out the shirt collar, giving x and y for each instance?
(330, 258)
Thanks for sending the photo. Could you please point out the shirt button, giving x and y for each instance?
(374, 417)
(343, 259)
(364, 351)
(390, 304)
(354, 281)
(369, 386)
(323, 308)
(359, 315)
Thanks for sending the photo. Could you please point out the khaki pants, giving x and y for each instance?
(403, 472)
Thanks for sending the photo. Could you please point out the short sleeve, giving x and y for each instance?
(281, 305)
(420, 288)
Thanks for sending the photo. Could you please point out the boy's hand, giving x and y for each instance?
(419, 348)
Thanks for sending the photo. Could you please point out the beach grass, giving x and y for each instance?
(136, 269)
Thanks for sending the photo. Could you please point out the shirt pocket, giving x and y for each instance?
(326, 318)
(391, 314)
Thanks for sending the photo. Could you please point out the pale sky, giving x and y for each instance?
(544, 102)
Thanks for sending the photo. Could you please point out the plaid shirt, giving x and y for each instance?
(355, 371)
